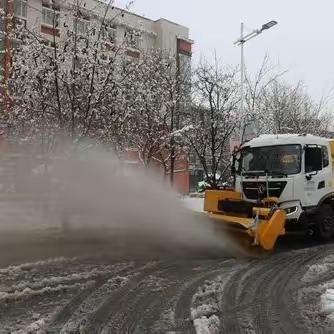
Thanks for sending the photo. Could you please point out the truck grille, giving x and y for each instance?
(258, 190)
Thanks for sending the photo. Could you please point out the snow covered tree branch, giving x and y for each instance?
(213, 118)
(156, 92)
(66, 87)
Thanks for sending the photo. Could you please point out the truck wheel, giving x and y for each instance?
(325, 222)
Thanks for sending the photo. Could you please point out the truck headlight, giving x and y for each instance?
(291, 210)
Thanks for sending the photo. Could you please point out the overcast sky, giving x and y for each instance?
(302, 42)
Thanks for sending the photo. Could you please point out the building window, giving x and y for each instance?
(2, 4)
(2, 24)
(132, 38)
(109, 34)
(82, 26)
(20, 8)
(50, 16)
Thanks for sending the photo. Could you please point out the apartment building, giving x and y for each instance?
(135, 33)
(139, 33)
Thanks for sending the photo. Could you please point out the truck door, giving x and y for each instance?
(317, 174)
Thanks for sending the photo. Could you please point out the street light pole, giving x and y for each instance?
(242, 79)
(241, 42)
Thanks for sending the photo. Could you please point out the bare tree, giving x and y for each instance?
(155, 92)
(256, 87)
(290, 109)
(278, 107)
(213, 118)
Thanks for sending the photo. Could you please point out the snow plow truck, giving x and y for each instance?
(282, 184)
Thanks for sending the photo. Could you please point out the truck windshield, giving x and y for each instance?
(275, 160)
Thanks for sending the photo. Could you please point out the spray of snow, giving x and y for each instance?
(194, 204)
(118, 208)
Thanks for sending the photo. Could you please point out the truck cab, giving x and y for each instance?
(295, 169)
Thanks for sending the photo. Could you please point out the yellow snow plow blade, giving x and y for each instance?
(264, 234)
(262, 223)
(268, 232)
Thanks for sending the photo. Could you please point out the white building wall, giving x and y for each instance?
(34, 15)
(160, 34)
(167, 34)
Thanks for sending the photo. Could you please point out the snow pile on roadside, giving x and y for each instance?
(56, 280)
(13, 270)
(204, 310)
(194, 204)
(206, 325)
(37, 327)
(27, 293)
(206, 306)
(327, 300)
(320, 268)
(327, 303)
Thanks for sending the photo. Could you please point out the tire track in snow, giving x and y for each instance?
(183, 319)
(63, 315)
(130, 318)
(147, 317)
(112, 303)
(285, 306)
(243, 292)
(230, 323)
(128, 309)
(263, 300)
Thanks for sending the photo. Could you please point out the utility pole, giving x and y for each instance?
(241, 42)
(242, 80)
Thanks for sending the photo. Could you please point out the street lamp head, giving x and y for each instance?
(268, 25)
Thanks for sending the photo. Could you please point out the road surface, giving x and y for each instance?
(275, 293)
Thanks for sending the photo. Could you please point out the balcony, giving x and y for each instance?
(50, 21)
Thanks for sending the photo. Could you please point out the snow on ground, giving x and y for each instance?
(206, 325)
(27, 293)
(319, 298)
(37, 327)
(317, 269)
(31, 293)
(206, 306)
(327, 303)
(16, 270)
(327, 300)
(194, 204)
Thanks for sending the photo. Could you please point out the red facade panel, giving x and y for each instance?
(184, 46)
(50, 31)
(133, 54)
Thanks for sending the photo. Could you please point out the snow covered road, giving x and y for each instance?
(278, 293)
(108, 281)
